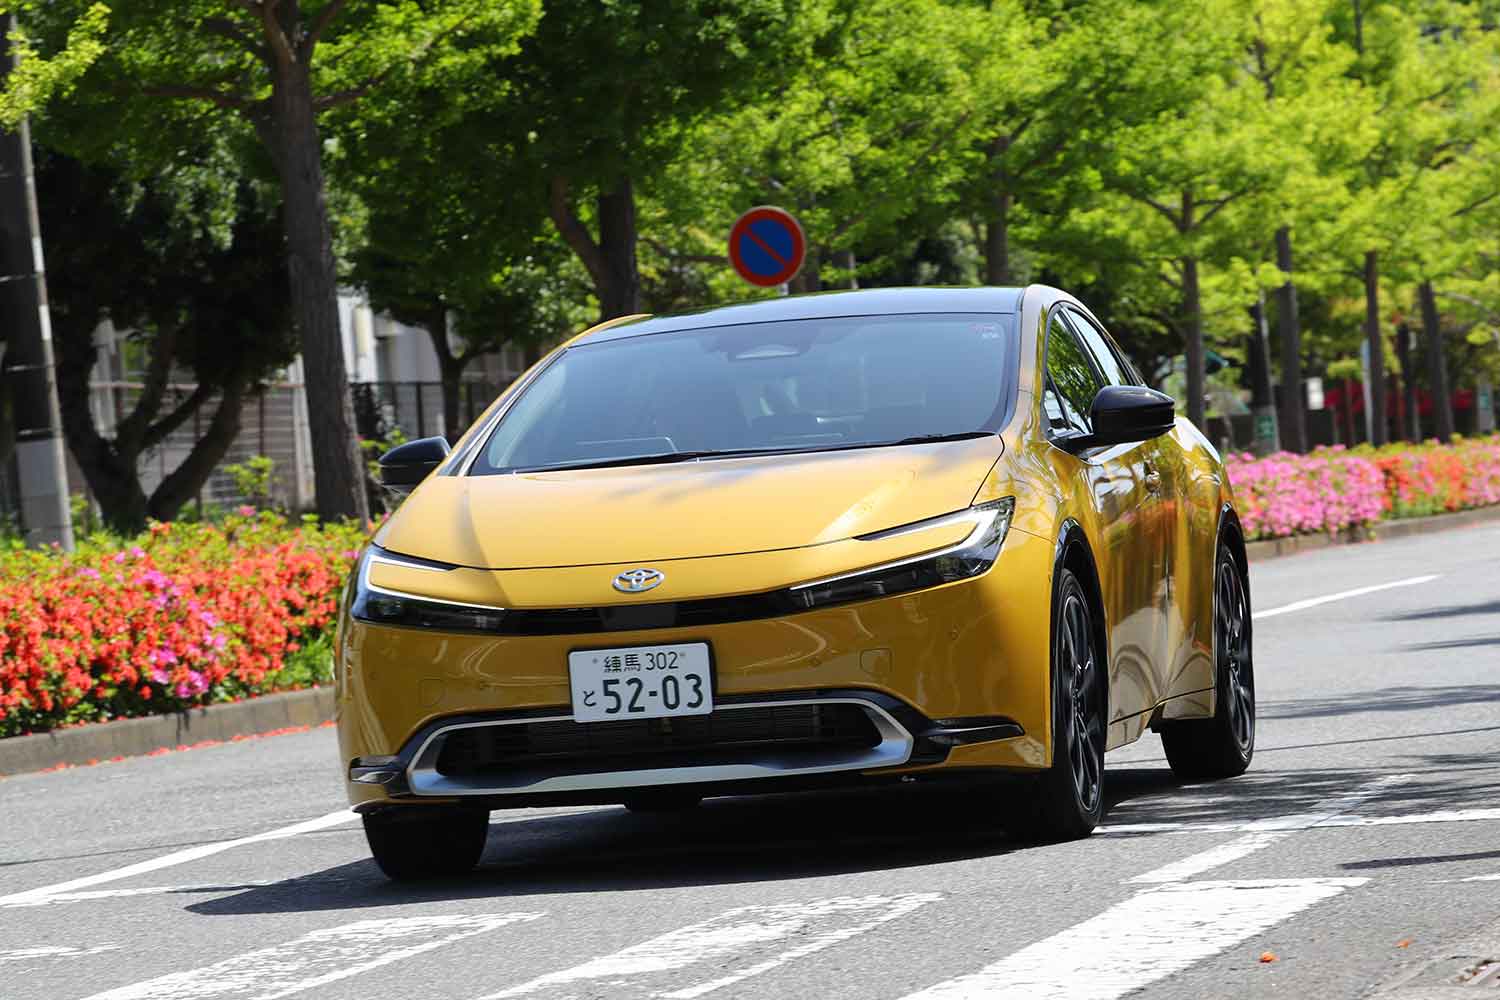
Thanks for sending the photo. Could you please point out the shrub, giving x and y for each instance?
(184, 615)
(1333, 489)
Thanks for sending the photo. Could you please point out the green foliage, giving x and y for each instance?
(252, 479)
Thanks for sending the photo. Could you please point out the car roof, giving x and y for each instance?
(820, 305)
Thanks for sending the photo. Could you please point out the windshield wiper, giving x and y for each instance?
(926, 438)
(672, 457)
(656, 458)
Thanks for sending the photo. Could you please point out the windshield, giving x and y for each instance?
(789, 386)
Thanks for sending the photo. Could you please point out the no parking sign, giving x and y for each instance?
(766, 246)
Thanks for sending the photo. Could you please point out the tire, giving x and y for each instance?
(1067, 799)
(1221, 746)
(662, 800)
(426, 842)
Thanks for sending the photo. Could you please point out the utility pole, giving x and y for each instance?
(26, 333)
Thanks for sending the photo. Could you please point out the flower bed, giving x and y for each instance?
(185, 615)
(1335, 489)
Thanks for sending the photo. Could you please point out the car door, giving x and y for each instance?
(1117, 493)
(1155, 529)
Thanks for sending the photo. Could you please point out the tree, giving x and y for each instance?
(1185, 166)
(276, 66)
(605, 90)
(199, 295)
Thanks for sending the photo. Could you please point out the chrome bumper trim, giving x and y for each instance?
(895, 748)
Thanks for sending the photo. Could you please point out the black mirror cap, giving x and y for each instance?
(404, 466)
(1122, 414)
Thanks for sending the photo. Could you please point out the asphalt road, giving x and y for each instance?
(1360, 851)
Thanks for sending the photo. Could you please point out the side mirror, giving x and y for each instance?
(1122, 414)
(404, 466)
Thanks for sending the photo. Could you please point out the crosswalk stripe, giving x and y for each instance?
(179, 857)
(1269, 832)
(817, 925)
(1146, 938)
(315, 959)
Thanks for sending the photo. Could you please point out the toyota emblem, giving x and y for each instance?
(635, 581)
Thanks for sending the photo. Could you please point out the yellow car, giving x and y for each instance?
(855, 537)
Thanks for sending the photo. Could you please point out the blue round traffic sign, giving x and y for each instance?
(766, 246)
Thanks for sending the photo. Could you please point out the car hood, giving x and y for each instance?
(653, 513)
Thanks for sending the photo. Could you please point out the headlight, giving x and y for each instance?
(970, 557)
(384, 606)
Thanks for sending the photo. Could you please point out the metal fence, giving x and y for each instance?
(416, 408)
(272, 423)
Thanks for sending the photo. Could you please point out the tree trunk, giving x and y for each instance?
(111, 476)
(1377, 349)
(997, 226)
(1411, 420)
(1437, 363)
(621, 293)
(844, 261)
(450, 369)
(1193, 324)
(1289, 323)
(292, 136)
(184, 482)
(1262, 396)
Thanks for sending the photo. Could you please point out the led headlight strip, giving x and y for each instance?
(967, 558)
(385, 606)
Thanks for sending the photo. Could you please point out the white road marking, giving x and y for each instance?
(1266, 832)
(53, 951)
(315, 959)
(1146, 938)
(91, 895)
(179, 857)
(717, 941)
(1436, 816)
(1313, 602)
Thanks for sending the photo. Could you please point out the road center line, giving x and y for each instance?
(315, 959)
(1313, 602)
(1264, 833)
(1146, 938)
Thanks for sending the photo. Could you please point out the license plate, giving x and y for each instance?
(641, 682)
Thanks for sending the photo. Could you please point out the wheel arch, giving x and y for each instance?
(1231, 534)
(1075, 553)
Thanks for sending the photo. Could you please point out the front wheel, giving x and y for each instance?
(427, 841)
(1221, 746)
(1067, 799)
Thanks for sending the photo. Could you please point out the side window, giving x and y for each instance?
(1071, 380)
(1112, 362)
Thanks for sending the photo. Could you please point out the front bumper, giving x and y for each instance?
(951, 677)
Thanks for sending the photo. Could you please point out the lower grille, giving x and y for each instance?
(724, 736)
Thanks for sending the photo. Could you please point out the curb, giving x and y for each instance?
(134, 737)
(1272, 548)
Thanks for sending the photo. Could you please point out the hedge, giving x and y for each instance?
(1335, 489)
(187, 614)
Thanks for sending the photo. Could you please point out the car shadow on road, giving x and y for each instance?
(775, 838)
(1405, 698)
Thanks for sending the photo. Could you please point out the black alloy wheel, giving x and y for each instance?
(422, 842)
(1067, 800)
(1222, 746)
